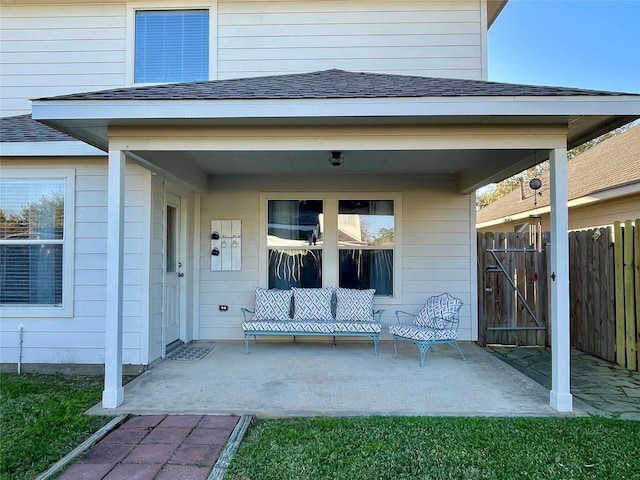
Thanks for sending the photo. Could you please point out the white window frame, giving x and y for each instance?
(68, 246)
(330, 250)
(134, 7)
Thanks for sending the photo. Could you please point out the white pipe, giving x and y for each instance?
(20, 339)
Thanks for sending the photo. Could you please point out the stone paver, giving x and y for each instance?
(156, 447)
(87, 471)
(133, 472)
(183, 472)
(167, 435)
(150, 453)
(611, 390)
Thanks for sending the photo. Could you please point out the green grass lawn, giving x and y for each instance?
(439, 448)
(41, 420)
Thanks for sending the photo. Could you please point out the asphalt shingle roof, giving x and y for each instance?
(23, 128)
(328, 84)
(614, 162)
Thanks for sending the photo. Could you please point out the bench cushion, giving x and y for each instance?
(272, 304)
(354, 305)
(292, 326)
(417, 332)
(356, 327)
(265, 326)
(312, 304)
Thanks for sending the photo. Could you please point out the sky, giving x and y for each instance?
(592, 44)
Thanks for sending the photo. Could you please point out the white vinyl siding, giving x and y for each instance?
(58, 49)
(80, 338)
(433, 250)
(435, 38)
(68, 47)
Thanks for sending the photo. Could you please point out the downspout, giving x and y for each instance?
(20, 341)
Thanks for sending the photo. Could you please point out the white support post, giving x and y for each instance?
(560, 396)
(113, 394)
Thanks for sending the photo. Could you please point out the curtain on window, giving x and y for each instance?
(294, 240)
(367, 227)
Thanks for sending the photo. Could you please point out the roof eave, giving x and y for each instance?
(494, 8)
(49, 149)
(590, 116)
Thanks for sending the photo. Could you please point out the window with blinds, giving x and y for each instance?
(31, 241)
(171, 46)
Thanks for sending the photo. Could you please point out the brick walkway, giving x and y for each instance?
(156, 447)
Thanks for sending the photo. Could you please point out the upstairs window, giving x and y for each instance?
(171, 46)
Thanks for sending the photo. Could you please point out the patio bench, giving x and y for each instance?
(339, 312)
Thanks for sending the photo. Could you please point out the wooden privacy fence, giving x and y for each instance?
(512, 290)
(591, 293)
(627, 293)
(604, 272)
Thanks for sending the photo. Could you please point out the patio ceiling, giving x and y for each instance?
(317, 162)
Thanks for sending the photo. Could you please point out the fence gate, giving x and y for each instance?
(513, 291)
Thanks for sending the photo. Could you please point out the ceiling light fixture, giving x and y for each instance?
(336, 159)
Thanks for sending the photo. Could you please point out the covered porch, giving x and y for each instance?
(423, 139)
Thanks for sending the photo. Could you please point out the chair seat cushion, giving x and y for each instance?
(356, 326)
(417, 332)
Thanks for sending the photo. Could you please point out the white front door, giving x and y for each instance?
(174, 271)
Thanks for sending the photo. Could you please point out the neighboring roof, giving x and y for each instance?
(329, 84)
(611, 164)
(23, 128)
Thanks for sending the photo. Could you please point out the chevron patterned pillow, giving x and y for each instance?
(354, 304)
(312, 303)
(437, 311)
(272, 304)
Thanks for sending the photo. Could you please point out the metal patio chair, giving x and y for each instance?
(437, 323)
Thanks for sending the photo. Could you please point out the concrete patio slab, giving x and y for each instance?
(291, 379)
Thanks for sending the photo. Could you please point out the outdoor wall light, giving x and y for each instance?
(336, 159)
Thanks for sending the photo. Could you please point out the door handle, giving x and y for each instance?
(180, 274)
